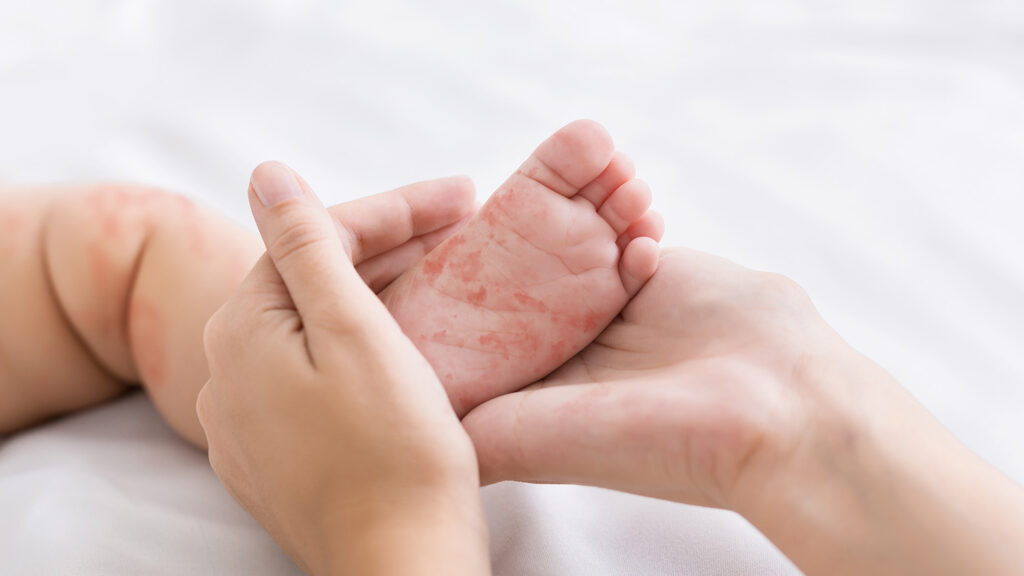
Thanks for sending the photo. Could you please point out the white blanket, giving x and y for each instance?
(874, 151)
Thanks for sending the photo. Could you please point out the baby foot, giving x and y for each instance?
(544, 266)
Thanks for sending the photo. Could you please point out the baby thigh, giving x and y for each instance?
(46, 369)
(191, 265)
(138, 272)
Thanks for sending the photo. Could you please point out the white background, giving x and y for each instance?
(872, 150)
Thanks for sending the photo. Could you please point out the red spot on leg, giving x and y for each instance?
(147, 328)
(106, 215)
(107, 279)
(193, 223)
(12, 226)
(11, 222)
(124, 208)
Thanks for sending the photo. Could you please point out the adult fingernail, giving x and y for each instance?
(274, 183)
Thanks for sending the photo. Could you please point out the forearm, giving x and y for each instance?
(880, 487)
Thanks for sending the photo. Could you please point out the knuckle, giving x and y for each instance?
(213, 334)
(299, 235)
(216, 462)
(356, 334)
(202, 408)
(780, 286)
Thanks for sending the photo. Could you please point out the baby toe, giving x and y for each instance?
(638, 263)
(619, 171)
(626, 204)
(650, 225)
(571, 158)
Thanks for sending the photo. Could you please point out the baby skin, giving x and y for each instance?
(110, 286)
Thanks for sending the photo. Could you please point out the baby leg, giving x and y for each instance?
(106, 286)
(45, 368)
(109, 285)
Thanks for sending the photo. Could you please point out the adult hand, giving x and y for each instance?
(323, 419)
(677, 399)
(722, 386)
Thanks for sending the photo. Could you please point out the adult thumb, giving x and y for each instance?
(303, 243)
(618, 437)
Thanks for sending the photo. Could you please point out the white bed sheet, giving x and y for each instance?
(871, 150)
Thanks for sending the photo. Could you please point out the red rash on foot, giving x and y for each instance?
(557, 354)
(495, 240)
(435, 262)
(477, 297)
(591, 321)
(528, 343)
(494, 343)
(147, 328)
(531, 303)
(489, 215)
(467, 268)
(433, 267)
(514, 205)
(521, 342)
(508, 201)
(586, 323)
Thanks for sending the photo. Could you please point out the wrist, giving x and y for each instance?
(422, 530)
(876, 485)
